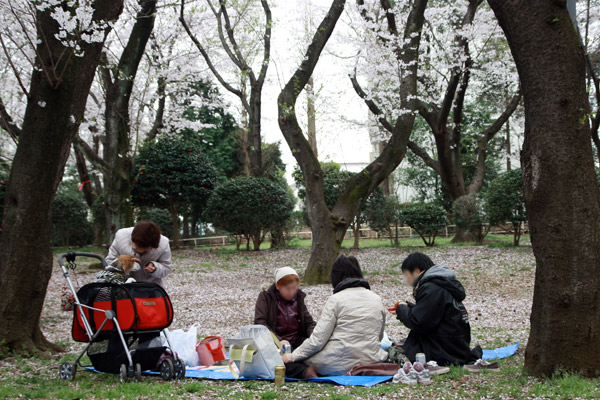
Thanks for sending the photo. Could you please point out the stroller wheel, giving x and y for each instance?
(123, 374)
(67, 371)
(166, 369)
(179, 367)
(138, 373)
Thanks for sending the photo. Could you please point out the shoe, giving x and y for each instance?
(423, 375)
(310, 373)
(406, 375)
(435, 369)
(481, 365)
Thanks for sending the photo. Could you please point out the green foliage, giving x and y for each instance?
(217, 140)
(249, 207)
(469, 213)
(70, 225)
(382, 215)
(426, 218)
(505, 202)
(273, 165)
(334, 183)
(160, 216)
(171, 173)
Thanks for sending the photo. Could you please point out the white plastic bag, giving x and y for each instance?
(184, 344)
(386, 342)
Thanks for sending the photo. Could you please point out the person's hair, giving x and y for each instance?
(287, 279)
(146, 234)
(345, 267)
(418, 261)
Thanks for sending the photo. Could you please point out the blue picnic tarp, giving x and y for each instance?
(223, 373)
(501, 352)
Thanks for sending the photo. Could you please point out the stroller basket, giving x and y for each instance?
(138, 306)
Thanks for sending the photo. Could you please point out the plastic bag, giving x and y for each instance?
(184, 344)
(385, 342)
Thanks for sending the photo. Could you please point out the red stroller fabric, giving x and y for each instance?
(138, 306)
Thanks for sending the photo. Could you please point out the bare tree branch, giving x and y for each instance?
(210, 64)
(371, 104)
(484, 138)
(91, 155)
(267, 41)
(423, 155)
(158, 119)
(6, 122)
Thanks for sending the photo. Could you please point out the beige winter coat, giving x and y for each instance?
(349, 332)
(160, 257)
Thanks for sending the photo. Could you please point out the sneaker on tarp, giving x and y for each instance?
(482, 365)
(435, 369)
(423, 375)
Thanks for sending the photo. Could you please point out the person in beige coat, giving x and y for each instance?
(351, 326)
(150, 249)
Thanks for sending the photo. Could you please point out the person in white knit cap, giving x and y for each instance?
(281, 308)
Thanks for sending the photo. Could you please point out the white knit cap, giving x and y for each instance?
(281, 272)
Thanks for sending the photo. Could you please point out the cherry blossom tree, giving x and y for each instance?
(235, 24)
(117, 79)
(53, 49)
(459, 53)
(329, 227)
(147, 106)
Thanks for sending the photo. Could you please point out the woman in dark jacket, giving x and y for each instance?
(281, 308)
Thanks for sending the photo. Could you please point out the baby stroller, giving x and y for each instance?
(121, 324)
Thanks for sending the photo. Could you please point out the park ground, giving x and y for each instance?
(217, 288)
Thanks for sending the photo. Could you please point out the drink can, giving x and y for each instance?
(279, 375)
(287, 348)
(420, 358)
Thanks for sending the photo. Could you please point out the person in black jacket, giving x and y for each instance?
(438, 320)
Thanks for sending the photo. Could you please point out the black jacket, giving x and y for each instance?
(265, 312)
(438, 322)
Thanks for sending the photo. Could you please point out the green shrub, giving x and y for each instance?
(70, 225)
(383, 216)
(249, 207)
(172, 174)
(505, 202)
(425, 218)
(159, 216)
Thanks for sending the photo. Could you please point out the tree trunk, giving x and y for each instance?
(174, 210)
(186, 225)
(117, 144)
(326, 244)
(278, 238)
(356, 232)
(254, 134)
(256, 241)
(53, 113)
(462, 235)
(311, 115)
(88, 192)
(517, 234)
(561, 192)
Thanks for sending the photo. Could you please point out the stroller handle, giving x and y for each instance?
(71, 257)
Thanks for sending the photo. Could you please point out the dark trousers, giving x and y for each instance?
(296, 369)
